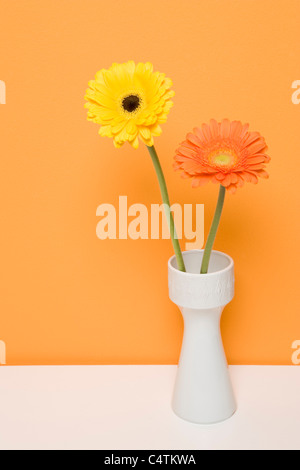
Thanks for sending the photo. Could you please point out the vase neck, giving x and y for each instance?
(202, 321)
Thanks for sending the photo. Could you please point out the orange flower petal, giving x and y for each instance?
(227, 180)
(187, 151)
(214, 128)
(191, 166)
(206, 132)
(232, 188)
(225, 128)
(256, 167)
(200, 181)
(240, 182)
(235, 129)
(220, 176)
(262, 174)
(249, 177)
(194, 139)
(200, 134)
(234, 178)
(256, 159)
(250, 137)
(256, 146)
(176, 166)
(244, 131)
(224, 153)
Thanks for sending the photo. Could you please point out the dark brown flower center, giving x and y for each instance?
(131, 103)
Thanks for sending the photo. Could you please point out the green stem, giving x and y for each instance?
(213, 231)
(166, 202)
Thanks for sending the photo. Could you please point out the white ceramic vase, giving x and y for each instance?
(203, 392)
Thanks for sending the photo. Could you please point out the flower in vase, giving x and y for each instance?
(225, 153)
(129, 101)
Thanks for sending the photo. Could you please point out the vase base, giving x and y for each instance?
(202, 422)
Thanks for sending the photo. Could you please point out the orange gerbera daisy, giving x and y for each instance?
(225, 153)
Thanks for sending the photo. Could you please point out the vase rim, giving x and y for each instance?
(227, 268)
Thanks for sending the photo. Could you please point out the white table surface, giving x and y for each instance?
(128, 407)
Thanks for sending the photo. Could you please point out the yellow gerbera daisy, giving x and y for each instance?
(129, 101)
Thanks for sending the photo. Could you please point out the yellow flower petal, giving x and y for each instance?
(131, 127)
(135, 143)
(156, 130)
(129, 101)
(145, 133)
(105, 131)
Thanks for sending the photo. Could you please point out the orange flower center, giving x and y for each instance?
(223, 158)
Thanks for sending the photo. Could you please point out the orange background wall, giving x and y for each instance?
(69, 298)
